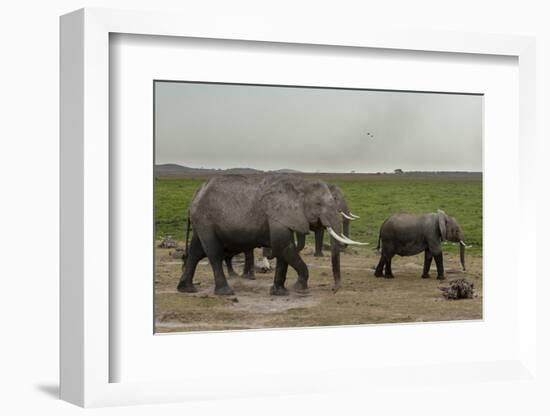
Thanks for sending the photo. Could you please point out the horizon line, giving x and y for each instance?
(313, 172)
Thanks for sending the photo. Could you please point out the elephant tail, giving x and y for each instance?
(185, 254)
(380, 235)
(379, 245)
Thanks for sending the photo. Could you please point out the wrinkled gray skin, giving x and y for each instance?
(409, 234)
(236, 213)
(248, 272)
(342, 206)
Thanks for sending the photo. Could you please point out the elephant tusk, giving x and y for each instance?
(343, 239)
(354, 216)
(347, 216)
(336, 236)
(464, 244)
(350, 241)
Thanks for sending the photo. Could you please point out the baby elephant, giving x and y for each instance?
(409, 234)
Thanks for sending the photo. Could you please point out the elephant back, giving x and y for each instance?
(225, 198)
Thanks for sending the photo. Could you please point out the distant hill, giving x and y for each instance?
(172, 169)
(241, 171)
(286, 171)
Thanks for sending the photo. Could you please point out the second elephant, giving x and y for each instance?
(410, 234)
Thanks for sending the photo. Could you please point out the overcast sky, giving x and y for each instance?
(327, 130)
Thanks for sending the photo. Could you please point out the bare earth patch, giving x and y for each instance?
(363, 298)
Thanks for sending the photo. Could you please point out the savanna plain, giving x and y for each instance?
(363, 298)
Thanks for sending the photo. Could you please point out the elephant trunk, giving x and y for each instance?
(335, 259)
(462, 246)
(345, 224)
(334, 226)
(300, 241)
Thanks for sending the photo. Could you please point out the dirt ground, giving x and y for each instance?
(363, 298)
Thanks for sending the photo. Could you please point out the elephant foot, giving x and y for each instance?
(378, 274)
(425, 276)
(389, 276)
(441, 278)
(223, 291)
(278, 291)
(318, 254)
(336, 287)
(185, 287)
(249, 276)
(300, 286)
(232, 274)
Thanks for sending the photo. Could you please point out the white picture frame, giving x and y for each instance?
(85, 211)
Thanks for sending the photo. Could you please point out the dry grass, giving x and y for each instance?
(363, 299)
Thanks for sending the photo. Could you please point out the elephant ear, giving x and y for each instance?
(282, 203)
(442, 217)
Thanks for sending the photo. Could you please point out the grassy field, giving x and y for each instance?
(372, 197)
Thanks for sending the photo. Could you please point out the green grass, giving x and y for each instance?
(373, 198)
(172, 199)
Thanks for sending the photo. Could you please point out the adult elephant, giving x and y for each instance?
(236, 213)
(319, 230)
(410, 234)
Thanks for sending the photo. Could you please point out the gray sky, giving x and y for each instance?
(268, 128)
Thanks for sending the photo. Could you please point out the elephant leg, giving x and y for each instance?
(267, 253)
(388, 273)
(319, 234)
(215, 252)
(379, 272)
(195, 254)
(439, 264)
(427, 264)
(248, 272)
(229, 263)
(292, 257)
(437, 254)
(278, 288)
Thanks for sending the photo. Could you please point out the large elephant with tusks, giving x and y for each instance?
(237, 213)
(319, 230)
